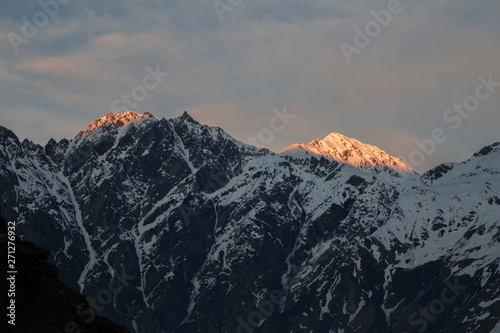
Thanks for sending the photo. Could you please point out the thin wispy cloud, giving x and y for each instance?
(261, 56)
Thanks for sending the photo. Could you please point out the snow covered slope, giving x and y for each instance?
(116, 120)
(217, 236)
(343, 149)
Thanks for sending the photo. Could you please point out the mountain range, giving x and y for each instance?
(168, 225)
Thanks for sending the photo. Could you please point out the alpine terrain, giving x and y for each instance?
(343, 149)
(167, 225)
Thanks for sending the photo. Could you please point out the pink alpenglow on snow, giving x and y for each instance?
(114, 120)
(343, 149)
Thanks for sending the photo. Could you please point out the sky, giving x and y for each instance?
(398, 75)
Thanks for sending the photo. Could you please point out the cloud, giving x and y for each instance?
(35, 123)
(262, 56)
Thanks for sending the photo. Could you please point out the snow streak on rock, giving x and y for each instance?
(210, 231)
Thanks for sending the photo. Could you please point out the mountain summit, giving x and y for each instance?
(114, 120)
(344, 149)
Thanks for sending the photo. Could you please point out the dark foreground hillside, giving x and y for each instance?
(43, 303)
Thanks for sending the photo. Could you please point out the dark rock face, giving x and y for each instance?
(212, 235)
(486, 150)
(42, 302)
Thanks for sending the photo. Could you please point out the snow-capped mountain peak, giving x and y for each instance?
(341, 148)
(175, 214)
(115, 120)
